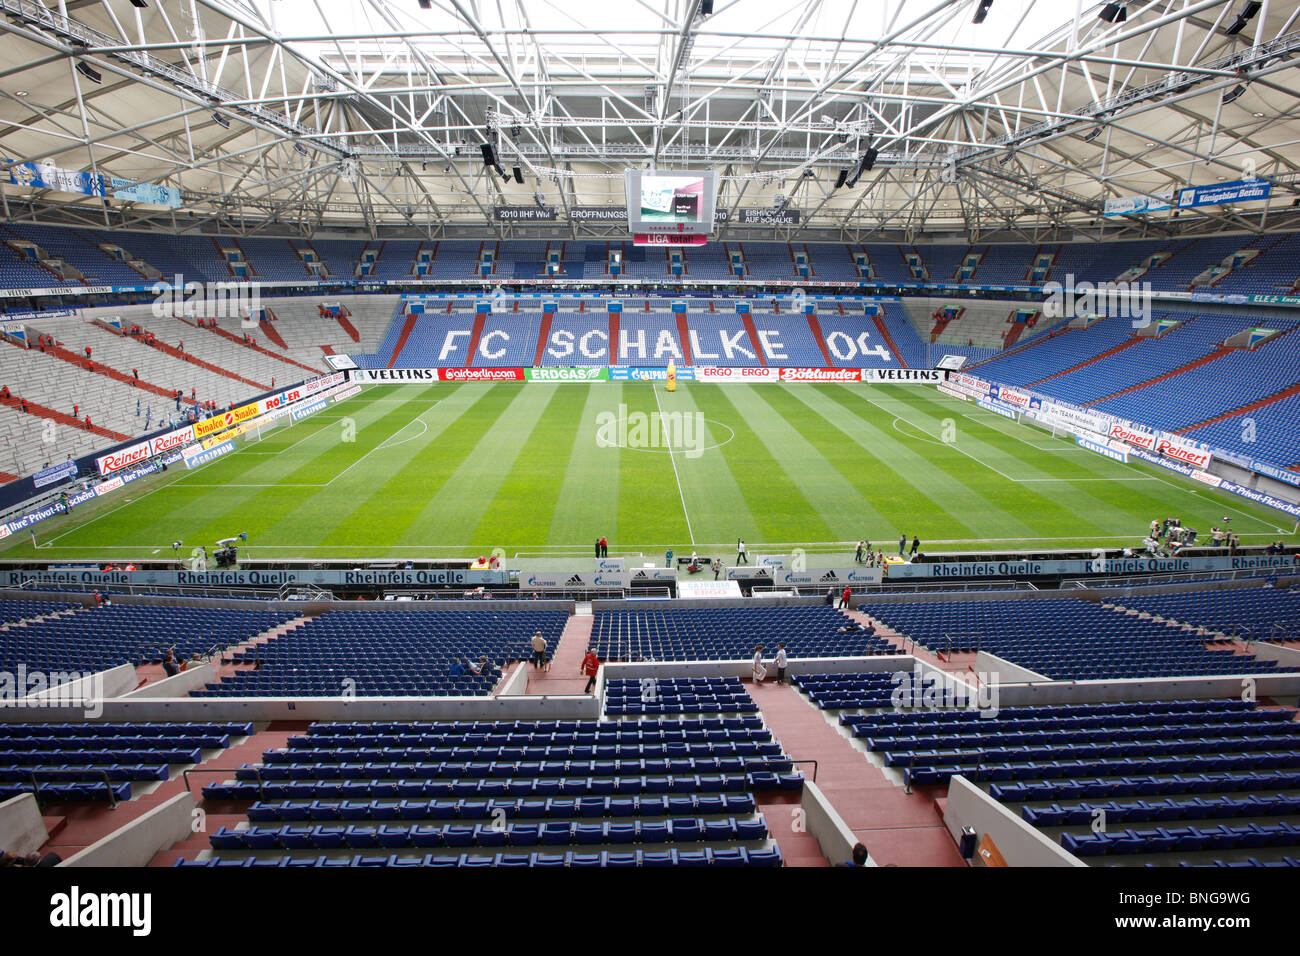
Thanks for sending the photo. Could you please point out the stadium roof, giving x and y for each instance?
(366, 117)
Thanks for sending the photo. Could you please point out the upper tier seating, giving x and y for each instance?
(686, 634)
(385, 653)
(1272, 271)
(99, 638)
(1263, 613)
(1065, 639)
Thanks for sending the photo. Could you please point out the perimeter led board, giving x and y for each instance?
(670, 204)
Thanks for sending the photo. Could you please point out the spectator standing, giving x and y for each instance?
(604, 547)
(780, 662)
(539, 650)
(757, 668)
(741, 557)
(846, 597)
(916, 545)
(902, 544)
(590, 667)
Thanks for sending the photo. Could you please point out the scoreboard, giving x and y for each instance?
(671, 208)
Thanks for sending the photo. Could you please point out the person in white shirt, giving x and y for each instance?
(780, 662)
(759, 670)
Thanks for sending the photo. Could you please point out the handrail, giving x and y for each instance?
(261, 784)
(794, 762)
(108, 785)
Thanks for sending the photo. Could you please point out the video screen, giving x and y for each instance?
(672, 197)
(660, 201)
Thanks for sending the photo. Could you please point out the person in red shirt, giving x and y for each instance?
(590, 666)
(87, 421)
(846, 597)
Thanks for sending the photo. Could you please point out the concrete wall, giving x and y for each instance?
(22, 830)
(833, 835)
(516, 684)
(1019, 843)
(180, 685)
(136, 843)
(1285, 656)
(618, 604)
(110, 683)
(1003, 671)
(1153, 688)
(809, 665)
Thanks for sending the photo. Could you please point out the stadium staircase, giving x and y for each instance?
(1127, 343)
(228, 668)
(232, 337)
(475, 334)
(184, 356)
(346, 325)
(217, 814)
(820, 339)
(543, 336)
(896, 827)
(564, 675)
(272, 334)
(684, 336)
(1012, 335)
(1021, 346)
(90, 366)
(1206, 359)
(408, 326)
(942, 319)
(878, 317)
(751, 332)
(1244, 409)
(63, 418)
(958, 662)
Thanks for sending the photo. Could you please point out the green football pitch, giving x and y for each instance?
(542, 470)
